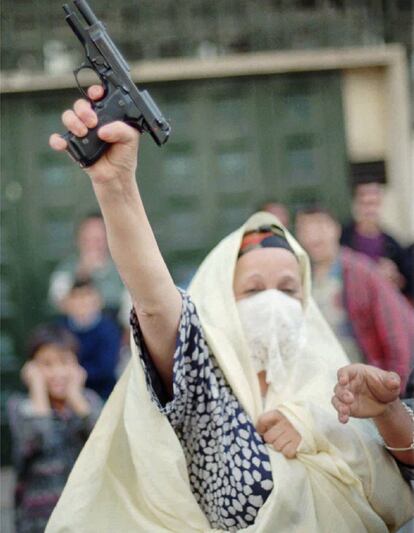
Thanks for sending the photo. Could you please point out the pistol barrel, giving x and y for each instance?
(73, 20)
(86, 11)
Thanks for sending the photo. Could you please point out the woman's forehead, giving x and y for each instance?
(268, 261)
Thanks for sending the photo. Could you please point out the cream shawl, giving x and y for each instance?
(131, 475)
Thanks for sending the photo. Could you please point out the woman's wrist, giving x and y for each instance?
(391, 409)
(122, 179)
(409, 418)
(120, 191)
(396, 428)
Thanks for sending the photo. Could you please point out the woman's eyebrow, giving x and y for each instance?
(253, 276)
(289, 277)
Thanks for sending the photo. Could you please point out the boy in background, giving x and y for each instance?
(49, 425)
(365, 235)
(98, 335)
(91, 260)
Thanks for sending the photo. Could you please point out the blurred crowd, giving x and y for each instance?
(72, 365)
(362, 281)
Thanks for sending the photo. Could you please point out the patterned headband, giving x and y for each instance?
(264, 237)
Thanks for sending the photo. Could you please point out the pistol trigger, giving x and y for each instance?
(76, 74)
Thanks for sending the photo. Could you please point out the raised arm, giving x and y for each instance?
(364, 391)
(130, 237)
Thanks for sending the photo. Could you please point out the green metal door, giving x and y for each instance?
(235, 143)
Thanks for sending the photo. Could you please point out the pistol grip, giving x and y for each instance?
(85, 150)
(88, 149)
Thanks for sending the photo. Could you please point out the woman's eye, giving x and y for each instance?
(289, 291)
(252, 291)
(293, 293)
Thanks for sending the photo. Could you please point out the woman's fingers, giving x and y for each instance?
(383, 386)
(347, 373)
(96, 92)
(82, 117)
(274, 433)
(76, 121)
(279, 443)
(392, 381)
(73, 123)
(268, 420)
(343, 409)
(85, 113)
(289, 449)
(287, 443)
(57, 142)
(118, 132)
(344, 394)
(279, 433)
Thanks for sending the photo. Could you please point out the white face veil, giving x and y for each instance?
(274, 326)
(132, 476)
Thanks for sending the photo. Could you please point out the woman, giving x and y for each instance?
(181, 442)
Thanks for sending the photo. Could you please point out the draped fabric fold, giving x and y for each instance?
(132, 475)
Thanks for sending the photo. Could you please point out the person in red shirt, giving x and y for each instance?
(372, 320)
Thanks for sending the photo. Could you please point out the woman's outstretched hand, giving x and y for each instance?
(277, 431)
(364, 391)
(121, 159)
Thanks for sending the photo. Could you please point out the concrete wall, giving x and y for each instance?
(365, 113)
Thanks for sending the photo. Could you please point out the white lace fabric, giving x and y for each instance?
(273, 324)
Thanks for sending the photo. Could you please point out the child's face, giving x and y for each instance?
(55, 364)
(83, 305)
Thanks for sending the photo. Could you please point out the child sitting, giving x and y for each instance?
(98, 335)
(50, 425)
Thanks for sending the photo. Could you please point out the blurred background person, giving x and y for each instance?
(365, 235)
(278, 209)
(92, 260)
(49, 424)
(99, 336)
(371, 319)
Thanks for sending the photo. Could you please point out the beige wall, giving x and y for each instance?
(376, 110)
(365, 113)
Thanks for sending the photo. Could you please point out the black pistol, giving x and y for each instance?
(121, 101)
